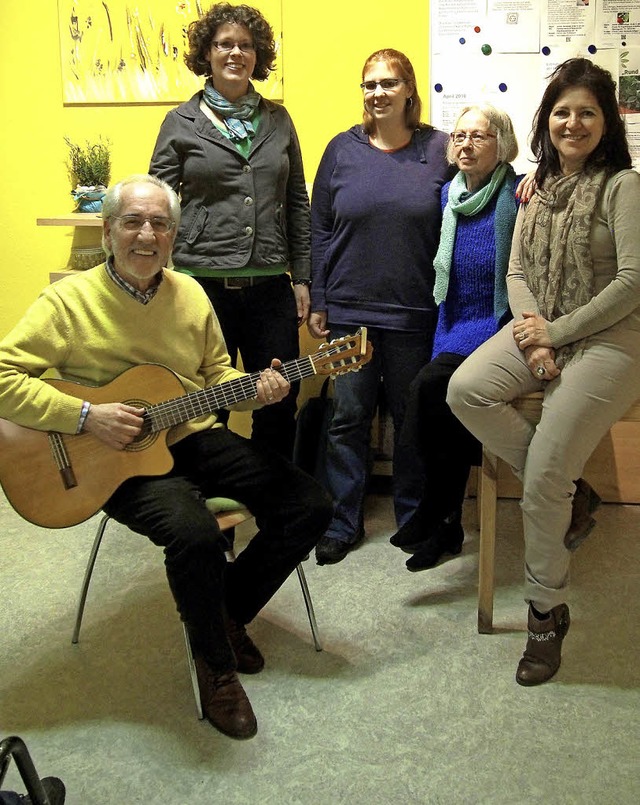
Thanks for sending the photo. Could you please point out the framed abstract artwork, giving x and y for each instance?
(123, 51)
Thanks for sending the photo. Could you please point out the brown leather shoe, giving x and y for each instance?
(585, 501)
(224, 702)
(248, 656)
(541, 658)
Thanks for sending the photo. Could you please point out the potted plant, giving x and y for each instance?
(89, 168)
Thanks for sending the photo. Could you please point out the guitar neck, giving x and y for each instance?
(190, 406)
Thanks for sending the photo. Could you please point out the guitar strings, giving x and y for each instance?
(172, 412)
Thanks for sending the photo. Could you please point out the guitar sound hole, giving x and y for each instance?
(146, 437)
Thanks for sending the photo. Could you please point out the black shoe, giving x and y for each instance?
(412, 535)
(54, 789)
(447, 541)
(329, 551)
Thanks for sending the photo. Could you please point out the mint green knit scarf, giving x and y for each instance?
(462, 202)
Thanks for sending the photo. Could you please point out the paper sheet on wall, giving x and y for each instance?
(618, 23)
(513, 26)
(565, 21)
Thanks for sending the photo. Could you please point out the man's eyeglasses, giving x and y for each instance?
(226, 46)
(386, 84)
(135, 223)
(476, 137)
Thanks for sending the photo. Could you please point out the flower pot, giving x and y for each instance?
(89, 199)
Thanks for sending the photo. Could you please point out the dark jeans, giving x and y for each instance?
(397, 357)
(446, 447)
(261, 323)
(291, 512)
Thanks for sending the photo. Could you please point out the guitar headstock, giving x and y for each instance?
(342, 355)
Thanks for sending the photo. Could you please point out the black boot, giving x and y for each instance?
(541, 658)
(446, 538)
(418, 529)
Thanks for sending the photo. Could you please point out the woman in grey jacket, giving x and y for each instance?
(234, 159)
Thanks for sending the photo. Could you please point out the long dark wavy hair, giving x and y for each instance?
(202, 32)
(612, 152)
(404, 68)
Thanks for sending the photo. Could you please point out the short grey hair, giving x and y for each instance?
(112, 201)
(499, 124)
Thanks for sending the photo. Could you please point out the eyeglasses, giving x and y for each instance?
(135, 223)
(226, 46)
(386, 84)
(476, 137)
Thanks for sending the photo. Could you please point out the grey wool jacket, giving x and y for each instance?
(236, 211)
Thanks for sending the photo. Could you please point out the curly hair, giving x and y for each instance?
(404, 68)
(202, 32)
(612, 152)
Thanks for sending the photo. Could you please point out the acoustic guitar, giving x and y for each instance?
(57, 480)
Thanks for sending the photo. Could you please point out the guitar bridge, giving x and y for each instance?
(61, 458)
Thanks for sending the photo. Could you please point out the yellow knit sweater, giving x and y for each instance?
(88, 330)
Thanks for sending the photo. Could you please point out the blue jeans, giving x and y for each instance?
(397, 358)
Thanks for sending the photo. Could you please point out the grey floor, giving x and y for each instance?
(406, 704)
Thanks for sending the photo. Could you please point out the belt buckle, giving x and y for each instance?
(237, 283)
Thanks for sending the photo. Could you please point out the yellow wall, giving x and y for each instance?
(325, 44)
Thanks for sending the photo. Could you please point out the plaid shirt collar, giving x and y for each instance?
(143, 297)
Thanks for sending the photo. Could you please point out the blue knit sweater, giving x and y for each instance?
(375, 220)
(466, 317)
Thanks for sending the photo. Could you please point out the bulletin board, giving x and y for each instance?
(502, 51)
(128, 51)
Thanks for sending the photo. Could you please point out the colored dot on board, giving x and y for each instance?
(502, 87)
(623, 44)
(438, 87)
(592, 49)
(477, 29)
(546, 51)
(486, 49)
(462, 40)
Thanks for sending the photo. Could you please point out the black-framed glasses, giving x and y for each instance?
(475, 137)
(135, 223)
(226, 46)
(386, 84)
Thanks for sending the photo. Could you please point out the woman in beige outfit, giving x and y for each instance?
(574, 290)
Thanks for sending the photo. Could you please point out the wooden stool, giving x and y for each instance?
(599, 463)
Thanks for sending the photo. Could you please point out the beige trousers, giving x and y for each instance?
(591, 394)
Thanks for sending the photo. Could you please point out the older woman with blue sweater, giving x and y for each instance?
(479, 212)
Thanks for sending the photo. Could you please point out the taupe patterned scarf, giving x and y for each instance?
(555, 247)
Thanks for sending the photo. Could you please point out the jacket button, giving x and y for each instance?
(248, 230)
(246, 168)
(248, 201)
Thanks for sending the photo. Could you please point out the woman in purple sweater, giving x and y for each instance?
(479, 212)
(375, 216)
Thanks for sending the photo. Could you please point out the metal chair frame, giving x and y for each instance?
(226, 520)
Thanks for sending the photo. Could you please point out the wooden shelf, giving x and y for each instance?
(72, 219)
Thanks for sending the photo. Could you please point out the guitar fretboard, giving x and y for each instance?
(190, 406)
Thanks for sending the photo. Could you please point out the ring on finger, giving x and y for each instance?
(540, 371)
(521, 337)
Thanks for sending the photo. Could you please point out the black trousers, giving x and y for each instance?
(261, 323)
(446, 447)
(292, 512)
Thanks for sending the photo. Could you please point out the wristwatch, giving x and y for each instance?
(306, 282)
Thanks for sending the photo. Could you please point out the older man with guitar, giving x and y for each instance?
(128, 423)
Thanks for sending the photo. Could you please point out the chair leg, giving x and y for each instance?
(16, 748)
(486, 564)
(309, 605)
(192, 672)
(87, 576)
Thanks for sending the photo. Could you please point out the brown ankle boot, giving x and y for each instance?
(248, 655)
(224, 702)
(541, 658)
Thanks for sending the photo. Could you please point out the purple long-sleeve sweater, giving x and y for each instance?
(375, 225)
